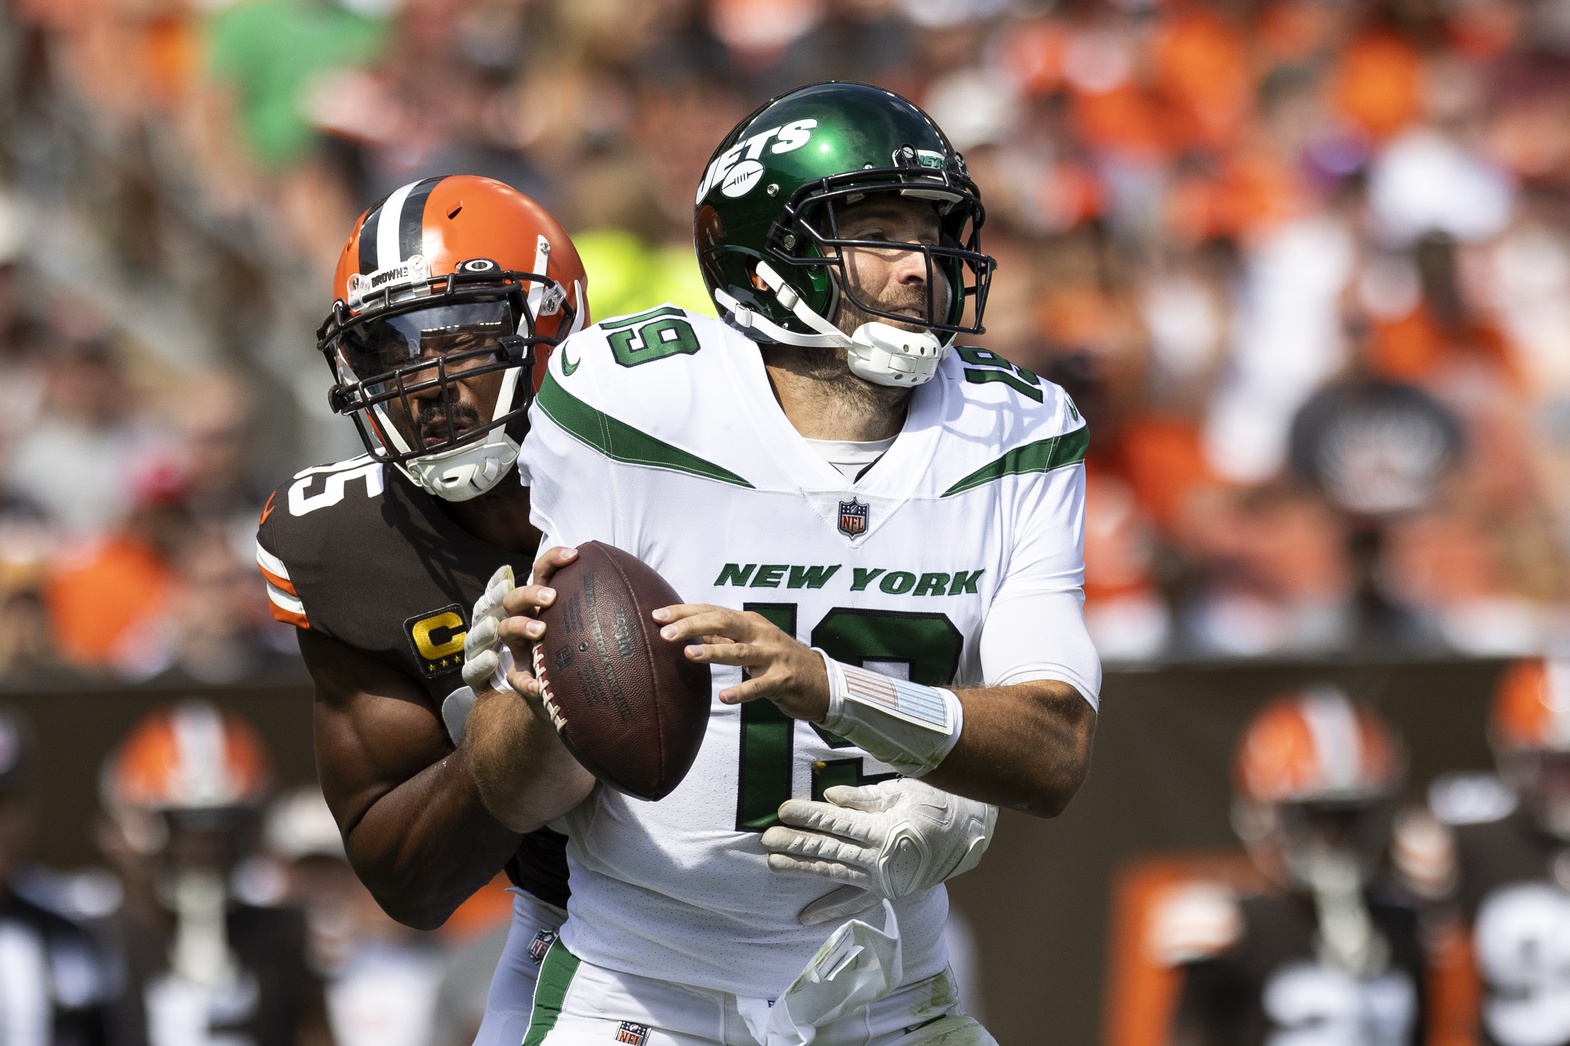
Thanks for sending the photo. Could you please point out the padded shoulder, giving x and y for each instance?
(651, 389)
(1000, 420)
(309, 523)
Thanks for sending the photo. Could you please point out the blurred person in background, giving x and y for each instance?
(76, 462)
(381, 976)
(56, 981)
(1272, 575)
(216, 629)
(182, 797)
(209, 455)
(263, 158)
(1492, 857)
(1330, 951)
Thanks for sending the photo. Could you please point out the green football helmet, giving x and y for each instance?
(767, 237)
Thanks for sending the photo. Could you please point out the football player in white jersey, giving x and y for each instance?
(880, 536)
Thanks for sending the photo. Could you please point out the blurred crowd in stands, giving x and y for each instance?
(1304, 265)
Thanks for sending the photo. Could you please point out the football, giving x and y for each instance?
(626, 703)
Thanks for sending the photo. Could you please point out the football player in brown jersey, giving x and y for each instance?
(1326, 954)
(447, 297)
(1493, 855)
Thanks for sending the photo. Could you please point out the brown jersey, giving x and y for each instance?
(1515, 888)
(357, 552)
(1269, 986)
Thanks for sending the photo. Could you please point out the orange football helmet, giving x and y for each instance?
(190, 757)
(1316, 746)
(1529, 729)
(1316, 775)
(1531, 707)
(449, 280)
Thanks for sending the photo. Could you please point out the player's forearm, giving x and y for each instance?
(523, 774)
(424, 847)
(1026, 747)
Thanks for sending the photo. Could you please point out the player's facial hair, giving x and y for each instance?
(436, 415)
(830, 369)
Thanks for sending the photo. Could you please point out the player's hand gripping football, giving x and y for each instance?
(778, 667)
(888, 839)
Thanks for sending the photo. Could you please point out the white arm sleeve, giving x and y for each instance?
(1035, 628)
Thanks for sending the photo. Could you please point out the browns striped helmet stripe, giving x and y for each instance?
(1316, 744)
(188, 757)
(393, 230)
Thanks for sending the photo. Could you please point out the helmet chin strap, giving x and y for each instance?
(466, 472)
(877, 352)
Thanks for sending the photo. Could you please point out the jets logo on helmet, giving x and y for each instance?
(449, 282)
(768, 239)
(738, 168)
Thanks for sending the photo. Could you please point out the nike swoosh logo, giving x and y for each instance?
(267, 509)
(568, 366)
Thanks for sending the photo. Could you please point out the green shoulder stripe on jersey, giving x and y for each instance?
(550, 992)
(618, 440)
(618, 322)
(1041, 456)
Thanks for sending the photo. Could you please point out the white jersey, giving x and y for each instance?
(660, 434)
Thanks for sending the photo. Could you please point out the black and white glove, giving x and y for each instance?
(485, 657)
(889, 839)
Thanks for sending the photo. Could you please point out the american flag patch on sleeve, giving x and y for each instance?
(916, 704)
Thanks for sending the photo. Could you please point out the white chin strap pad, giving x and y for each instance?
(886, 355)
(878, 352)
(464, 472)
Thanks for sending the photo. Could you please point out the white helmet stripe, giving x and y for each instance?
(389, 226)
(579, 314)
(1556, 695)
(199, 738)
(1333, 724)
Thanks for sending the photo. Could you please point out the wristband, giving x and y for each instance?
(906, 725)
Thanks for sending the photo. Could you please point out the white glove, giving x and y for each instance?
(485, 658)
(889, 839)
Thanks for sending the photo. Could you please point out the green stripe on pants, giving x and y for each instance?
(556, 974)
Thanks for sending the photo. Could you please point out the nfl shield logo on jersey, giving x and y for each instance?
(636, 1034)
(541, 944)
(853, 518)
